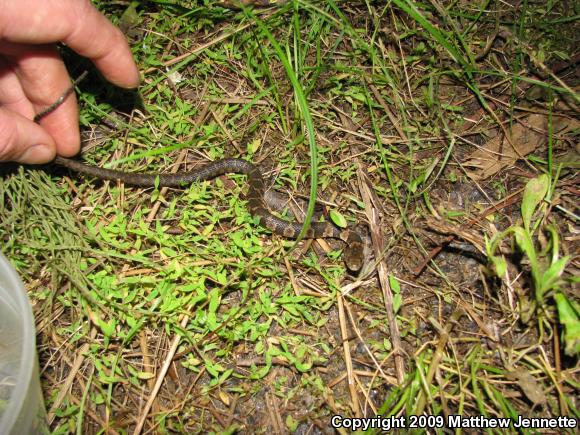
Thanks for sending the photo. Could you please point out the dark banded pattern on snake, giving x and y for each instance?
(353, 253)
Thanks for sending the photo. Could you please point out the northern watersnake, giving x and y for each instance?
(353, 253)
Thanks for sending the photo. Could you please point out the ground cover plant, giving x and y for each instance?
(446, 133)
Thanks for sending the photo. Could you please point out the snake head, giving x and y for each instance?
(353, 254)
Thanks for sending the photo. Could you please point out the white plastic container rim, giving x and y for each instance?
(13, 295)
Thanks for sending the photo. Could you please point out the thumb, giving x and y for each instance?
(22, 140)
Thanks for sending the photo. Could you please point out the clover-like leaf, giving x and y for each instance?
(568, 316)
(499, 265)
(534, 193)
(338, 219)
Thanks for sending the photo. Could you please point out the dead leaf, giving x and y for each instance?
(497, 154)
(529, 385)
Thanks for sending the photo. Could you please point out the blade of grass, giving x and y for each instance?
(306, 117)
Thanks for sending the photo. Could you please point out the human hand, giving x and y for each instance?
(33, 76)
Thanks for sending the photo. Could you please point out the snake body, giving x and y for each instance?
(353, 253)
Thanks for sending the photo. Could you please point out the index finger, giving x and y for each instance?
(77, 24)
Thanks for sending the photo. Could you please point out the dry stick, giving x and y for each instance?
(237, 100)
(160, 377)
(468, 308)
(351, 377)
(144, 271)
(232, 411)
(523, 87)
(379, 369)
(226, 130)
(274, 414)
(292, 278)
(60, 345)
(202, 47)
(379, 247)
(437, 357)
(394, 121)
(347, 357)
(442, 397)
(186, 396)
(199, 49)
(80, 359)
(88, 411)
(371, 138)
(369, 352)
(507, 201)
(275, 361)
(391, 380)
(558, 366)
(366, 393)
(148, 364)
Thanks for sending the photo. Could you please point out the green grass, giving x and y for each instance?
(252, 332)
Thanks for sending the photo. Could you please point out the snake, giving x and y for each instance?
(353, 254)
